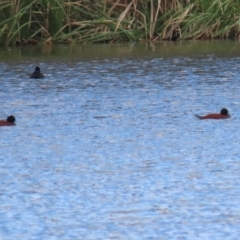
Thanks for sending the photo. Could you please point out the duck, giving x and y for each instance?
(37, 73)
(10, 121)
(224, 114)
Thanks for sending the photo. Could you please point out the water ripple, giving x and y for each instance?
(110, 149)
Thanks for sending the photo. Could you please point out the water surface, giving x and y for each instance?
(107, 145)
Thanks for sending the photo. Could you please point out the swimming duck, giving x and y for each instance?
(10, 121)
(37, 73)
(222, 115)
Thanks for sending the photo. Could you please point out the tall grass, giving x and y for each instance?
(108, 21)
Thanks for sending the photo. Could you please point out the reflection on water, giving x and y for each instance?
(107, 145)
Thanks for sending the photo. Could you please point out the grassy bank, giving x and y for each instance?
(108, 21)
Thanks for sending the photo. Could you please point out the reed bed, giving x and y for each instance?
(109, 21)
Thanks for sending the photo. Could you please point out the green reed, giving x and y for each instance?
(109, 21)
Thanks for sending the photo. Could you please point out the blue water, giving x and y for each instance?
(109, 147)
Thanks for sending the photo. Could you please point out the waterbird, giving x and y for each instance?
(10, 121)
(222, 115)
(37, 73)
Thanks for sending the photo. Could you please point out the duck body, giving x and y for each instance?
(222, 115)
(213, 116)
(37, 73)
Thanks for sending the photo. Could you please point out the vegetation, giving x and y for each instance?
(96, 21)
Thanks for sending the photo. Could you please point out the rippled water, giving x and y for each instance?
(107, 145)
